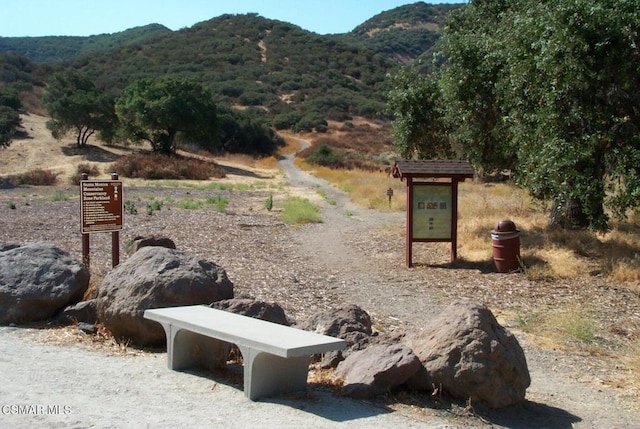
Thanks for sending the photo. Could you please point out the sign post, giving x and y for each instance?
(432, 207)
(101, 208)
(390, 194)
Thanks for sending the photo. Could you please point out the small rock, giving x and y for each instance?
(87, 328)
(377, 369)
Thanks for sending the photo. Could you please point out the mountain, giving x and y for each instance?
(268, 67)
(52, 49)
(405, 33)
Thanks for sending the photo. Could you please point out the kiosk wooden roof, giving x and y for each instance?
(433, 168)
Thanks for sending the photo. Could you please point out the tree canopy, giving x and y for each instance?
(9, 123)
(552, 91)
(241, 132)
(9, 117)
(156, 110)
(76, 105)
(419, 129)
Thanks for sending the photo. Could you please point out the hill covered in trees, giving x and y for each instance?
(299, 78)
(52, 49)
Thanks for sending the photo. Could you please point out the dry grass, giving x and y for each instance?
(292, 143)
(568, 324)
(323, 377)
(356, 145)
(365, 188)
(546, 253)
(102, 340)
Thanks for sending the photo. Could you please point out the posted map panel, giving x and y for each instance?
(101, 206)
(432, 212)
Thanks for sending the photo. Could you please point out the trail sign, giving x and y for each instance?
(432, 215)
(432, 206)
(101, 205)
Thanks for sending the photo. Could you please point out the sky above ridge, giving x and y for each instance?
(90, 17)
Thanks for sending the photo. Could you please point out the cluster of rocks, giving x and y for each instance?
(463, 352)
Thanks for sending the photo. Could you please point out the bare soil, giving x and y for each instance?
(355, 256)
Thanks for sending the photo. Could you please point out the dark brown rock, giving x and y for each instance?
(156, 277)
(467, 352)
(377, 369)
(349, 322)
(140, 242)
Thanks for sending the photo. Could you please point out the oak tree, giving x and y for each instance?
(158, 110)
(77, 106)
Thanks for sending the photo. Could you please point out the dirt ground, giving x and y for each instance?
(355, 256)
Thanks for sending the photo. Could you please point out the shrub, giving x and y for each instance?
(158, 167)
(153, 207)
(269, 203)
(324, 155)
(91, 170)
(130, 207)
(309, 122)
(37, 177)
(59, 196)
(298, 210)
(220, 202)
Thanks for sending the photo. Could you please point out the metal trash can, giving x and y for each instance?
(505, 240)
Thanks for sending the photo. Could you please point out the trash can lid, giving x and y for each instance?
(506, 225)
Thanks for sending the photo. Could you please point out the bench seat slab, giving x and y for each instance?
(275, 362)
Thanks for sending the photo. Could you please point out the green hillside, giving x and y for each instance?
(404, 33)
(275, 71)
(53, 49)
(248, 60)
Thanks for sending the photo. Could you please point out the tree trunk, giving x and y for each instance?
(166, 142)
(568, 215)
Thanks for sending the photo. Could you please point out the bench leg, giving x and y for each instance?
(267, 375)
(186, 349)
(264, 374)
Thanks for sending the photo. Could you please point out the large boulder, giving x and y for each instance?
(377, 369)
(270, 312)
(348, 322)
(467, 352)
(156, 277)
(37, 280)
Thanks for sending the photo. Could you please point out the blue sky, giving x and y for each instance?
(88, 17)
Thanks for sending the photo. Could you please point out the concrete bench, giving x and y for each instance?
(276, 357)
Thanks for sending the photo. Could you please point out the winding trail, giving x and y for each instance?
(329, 242)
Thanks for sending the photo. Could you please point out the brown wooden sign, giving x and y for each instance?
(101, 205)
(432, 200)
